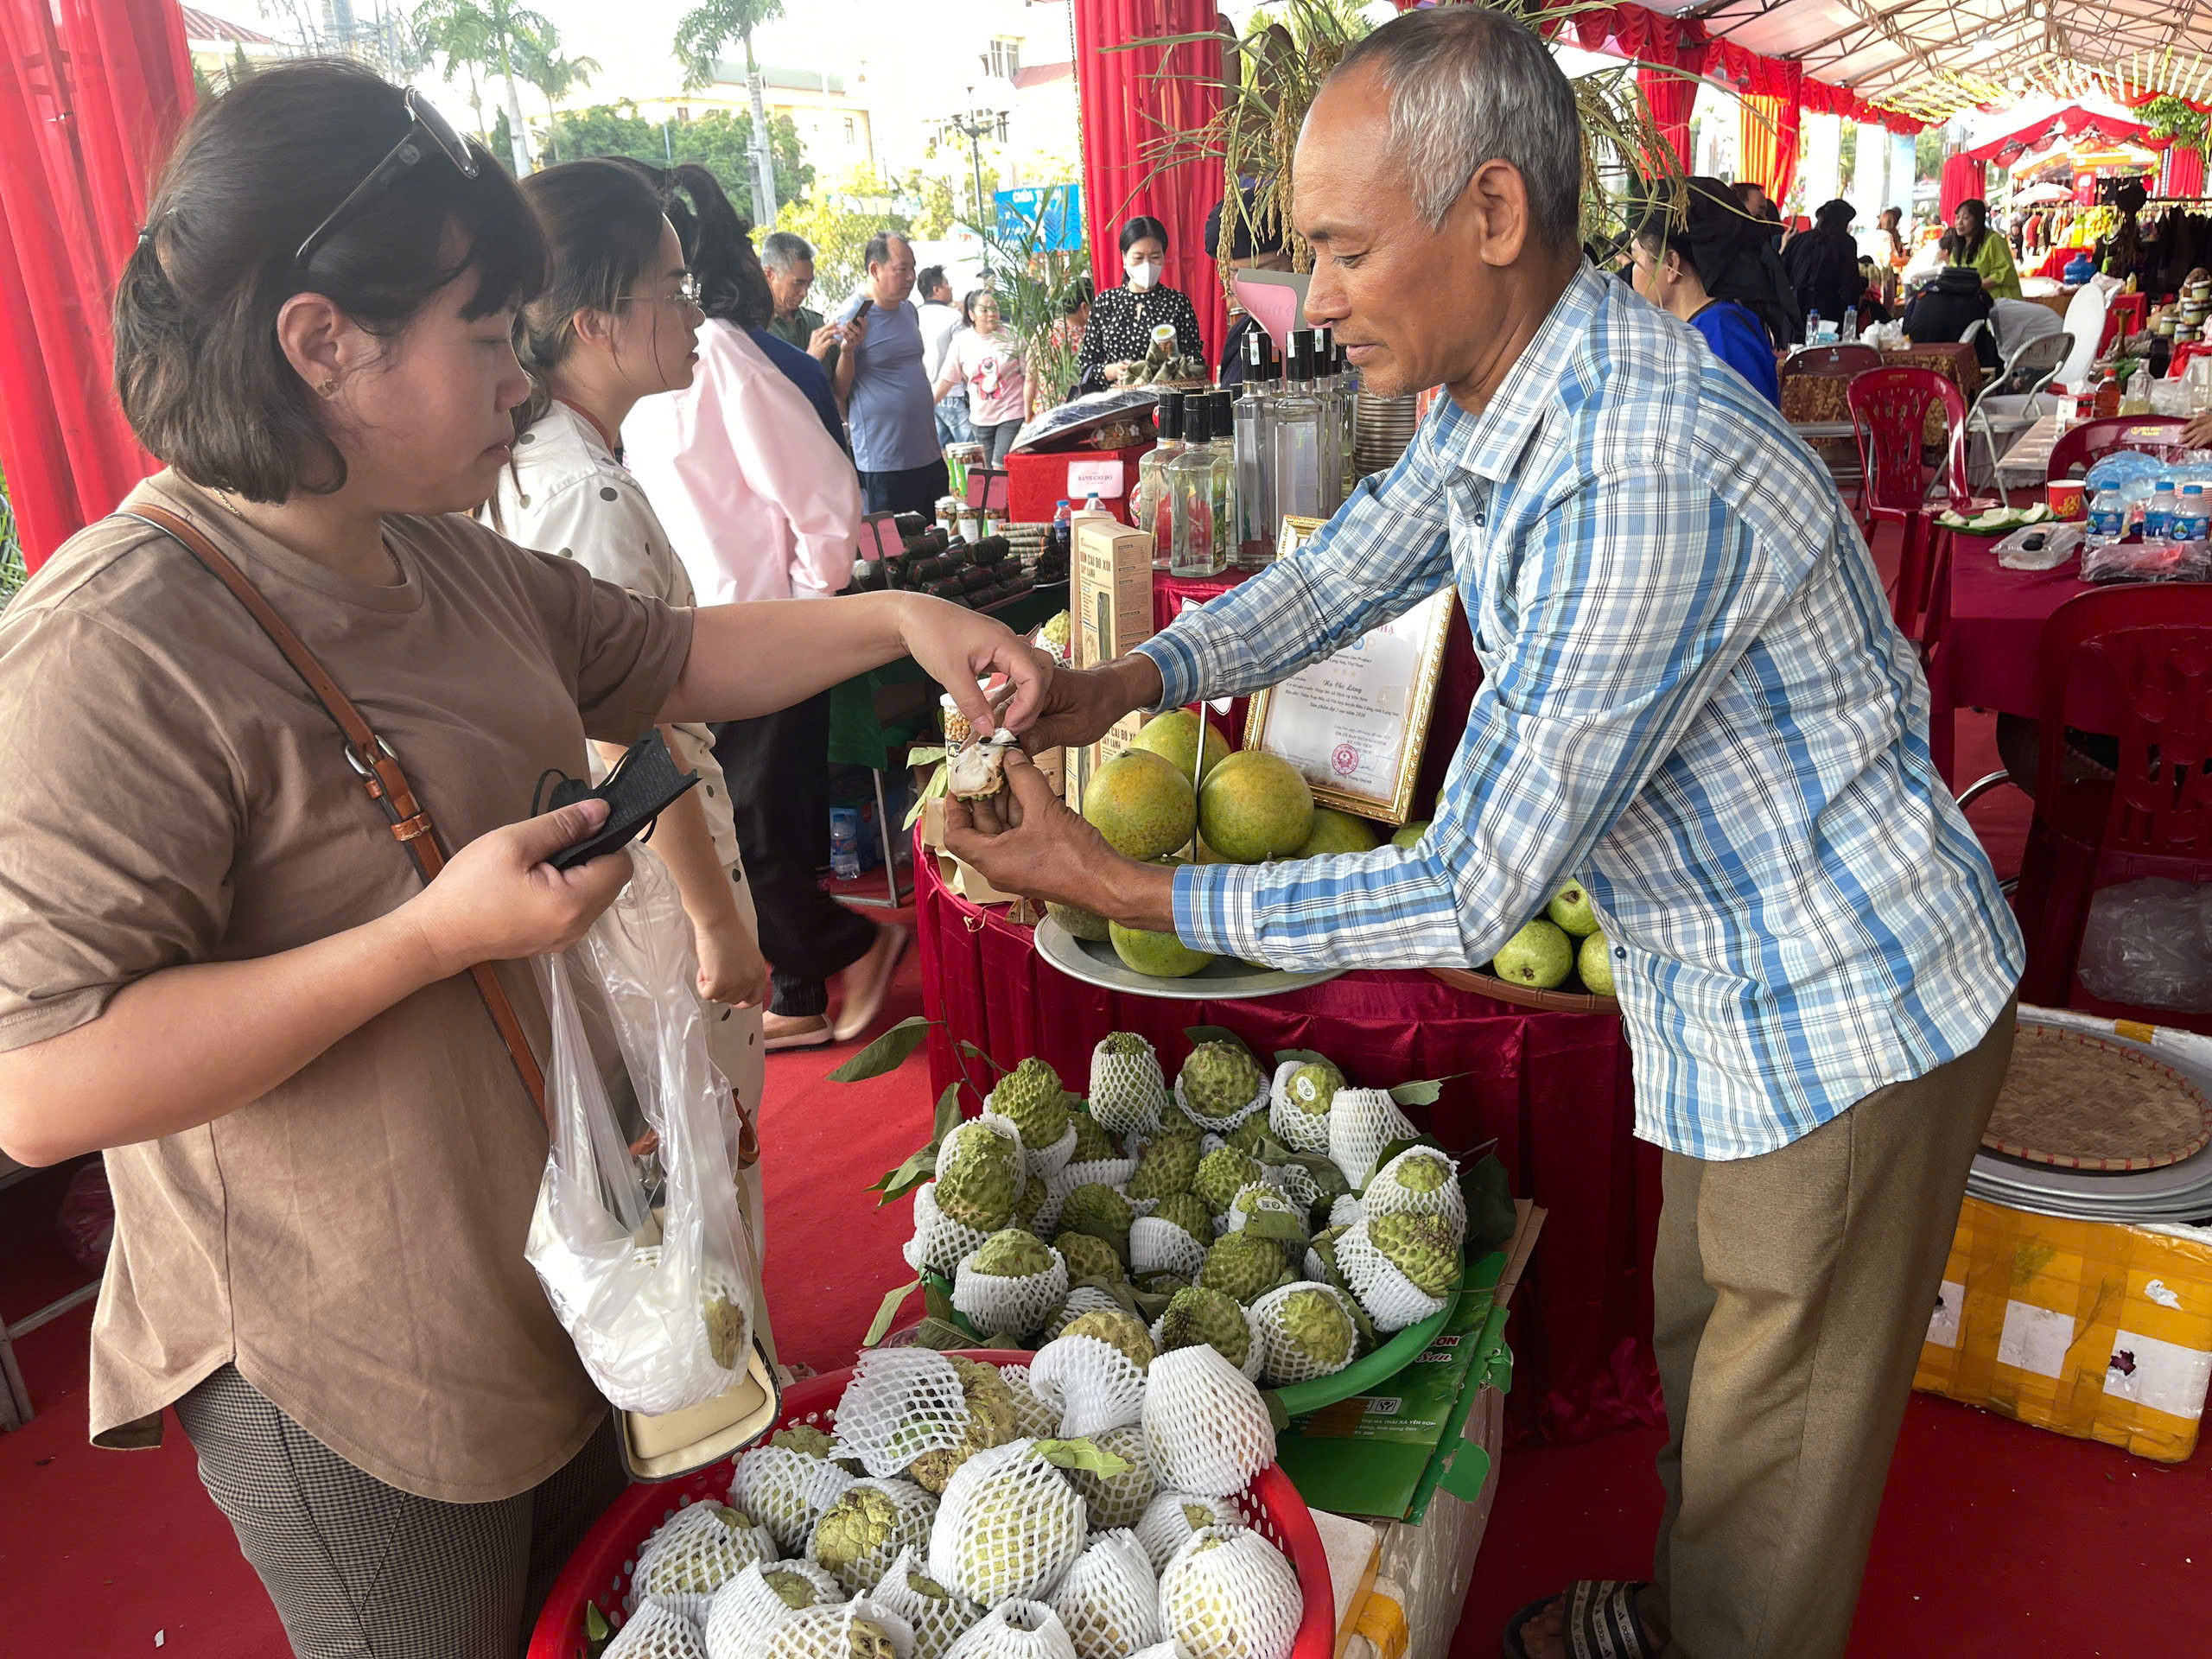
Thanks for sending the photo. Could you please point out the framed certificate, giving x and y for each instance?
(1356, 724)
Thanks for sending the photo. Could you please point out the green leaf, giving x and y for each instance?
(1270, 1224)
(924, 757)
(1301, 1056)
(1086, 1455)
(887, 1054)
(597, 1631)
(947, 1113)
(898, 1183)
(939, 780)
(888, 1311)
(942, 1334)
(1215, 1035)
(1490, 1217)
(1416, 1094)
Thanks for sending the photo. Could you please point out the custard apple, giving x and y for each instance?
(1231, 1596)
(1089, 1258)
(1306, 1332)
(801, 1583)
(1031, 1096)
(1117, 1330)
(1222, 1175)
(1187, 1210)
(1167, 1166)
(979, 1175)
(993, 1420)
(1312, 1087)
(1220, 1079)
(1242, 1265)
(862, 1534)
(1030, 1203)
(1093, 1144)
(1012, 1254)
(1203, 1315)
(1100, 1212)
(1162, 1283)
(1420, 1248)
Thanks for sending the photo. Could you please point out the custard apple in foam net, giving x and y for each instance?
(1242, 1265)
(786, 1490)
(1010, 1285)
(938, 1241)
(1221, 1175)
(1422, 1248)
(1299, 1103)
(1305, 1330)
(1262, 1198)
(852, 1629)
(758, 1600)
(657, 1631)
(900, 1404)
(1167, 1165)
(1172, 1517)
(1093, 1144)
(937, 1616)
(1089, 1258)
(994, 1418)
(980, 1170)
(1009, 1527)
(1032, 1098)
(1208, 1428)
(696, 1551)
(1017, 1629)
(1099, 1210)
(1095, 1385)
(1082, 1300)
(1231, 1596)
(860, 1535)
(1158, 1246)
(1363, 1124)
(1118, 1330)
(1110, 1601)
(1118, 1500)
(1419, 1181)
(1219, 1081)
(1393, 1301)
(1127, 1092)
(1203, 1317)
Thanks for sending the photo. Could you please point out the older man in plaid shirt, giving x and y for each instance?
(1695, 703)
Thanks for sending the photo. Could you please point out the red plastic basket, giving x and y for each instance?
(601, 1568)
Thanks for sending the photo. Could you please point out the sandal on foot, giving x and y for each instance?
(1597, 1622)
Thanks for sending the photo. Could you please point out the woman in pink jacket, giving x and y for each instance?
(762, 503)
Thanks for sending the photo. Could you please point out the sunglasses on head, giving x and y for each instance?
(428, 132)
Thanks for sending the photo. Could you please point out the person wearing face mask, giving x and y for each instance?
(1255, 242)
(1122, 318)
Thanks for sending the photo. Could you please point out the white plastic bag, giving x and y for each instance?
(2149, 943)
(652, 1274)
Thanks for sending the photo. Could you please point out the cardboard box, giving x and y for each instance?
(1387, 1454)
(1112, 587)
(2095, 1329)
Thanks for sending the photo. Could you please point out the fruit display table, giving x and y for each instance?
(1554, 1090)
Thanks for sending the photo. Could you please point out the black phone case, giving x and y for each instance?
(642, 786)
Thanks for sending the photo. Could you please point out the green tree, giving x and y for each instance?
(498, 30)
(460, 35)
(241, 69)
(701, 36)
(203, 90)
(719, 140)
(555, 74)
(839, 226)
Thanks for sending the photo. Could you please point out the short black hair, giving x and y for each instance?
(878, 247)
(931, 280)
(199, 371)
(1142, 225)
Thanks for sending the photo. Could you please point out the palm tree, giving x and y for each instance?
(457, 31)
(555, 74)
(490, 34)
(700, 37)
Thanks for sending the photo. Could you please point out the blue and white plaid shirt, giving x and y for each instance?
(1694, 701)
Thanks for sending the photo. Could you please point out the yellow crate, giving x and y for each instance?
(2095, 1329)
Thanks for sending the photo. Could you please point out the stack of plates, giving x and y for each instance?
(1385, 428)
(2099, 1127)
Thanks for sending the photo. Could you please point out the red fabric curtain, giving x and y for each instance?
(1670, 94)
(1129, 100)
(1769, 127)
(1962, 181)
(2182, 172)
(92, 92)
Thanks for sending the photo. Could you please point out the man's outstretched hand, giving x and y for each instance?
(1080, 705)
(1026, 840)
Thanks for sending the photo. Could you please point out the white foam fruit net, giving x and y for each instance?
(937, 1620)
(746, 1609)
(1082, 1300)
(1221, 1126)
(1208, 1429)
(940, 1241)
(834, 1632)
(1163, 1650)
(1009, 1306)
(1157, 1246)
(1295, 1184)
(1095, 1385)
(1388, 1194)
(1017, 1629)
(1033, 1418)
(1391, 1299)
(1299, 1130)
(1346, 1209)
(1051, 1160)
(1363, 1123)
(1127, 1091)
(1172, 1517)
(907, 1512)
(1231, 1596)
(657, 1631)
(1118, 1501)
(785, 1492)
(1110, 1601)
(1284, 1360)
(695, 1552)
(1009, 1525)
(901, 1403)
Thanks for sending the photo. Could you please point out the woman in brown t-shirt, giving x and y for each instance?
(218, 964)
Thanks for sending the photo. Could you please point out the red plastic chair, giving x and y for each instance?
(1889, 414)
(2148, 649)
(2084, 445)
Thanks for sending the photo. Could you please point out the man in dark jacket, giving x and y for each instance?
(1950, 305)
(1823, 264)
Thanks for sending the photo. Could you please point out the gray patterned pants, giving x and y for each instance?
(358, 1569)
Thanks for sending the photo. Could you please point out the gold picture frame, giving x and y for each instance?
(1336, 749)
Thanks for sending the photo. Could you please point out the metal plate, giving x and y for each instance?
(1223, 979)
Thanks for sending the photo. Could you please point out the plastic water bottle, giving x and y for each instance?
(2107, 519)
(1850, 324)
(2159, 516)
(1812, 327)
(845, 842)
(1061, 532)
(2193, 518)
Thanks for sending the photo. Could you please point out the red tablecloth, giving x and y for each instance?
(1552, 1089)
(1988, 650)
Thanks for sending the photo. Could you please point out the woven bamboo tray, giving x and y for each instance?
(2072, 1100)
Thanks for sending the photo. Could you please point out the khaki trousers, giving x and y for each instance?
(1793, 1292)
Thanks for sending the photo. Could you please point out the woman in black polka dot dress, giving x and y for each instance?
(1122, 318)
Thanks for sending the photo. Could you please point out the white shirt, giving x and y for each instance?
(940, 323)
(759, 500)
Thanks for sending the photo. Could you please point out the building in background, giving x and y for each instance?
(837, 128)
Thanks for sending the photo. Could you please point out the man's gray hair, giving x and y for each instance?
(781, 250)
(1467, 86)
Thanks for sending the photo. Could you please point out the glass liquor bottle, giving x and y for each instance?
(1151, 503)
(1256, 456)
(1221, 420)
(1298, 438)
(1348, 386)
(1326, 393)
(1200, 503)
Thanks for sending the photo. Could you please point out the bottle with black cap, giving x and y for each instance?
(1297, 446)
(1151, 502)
(1255, 455)
(1222, 421)
(1200, 503)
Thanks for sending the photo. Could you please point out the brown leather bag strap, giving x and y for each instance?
(367, 754)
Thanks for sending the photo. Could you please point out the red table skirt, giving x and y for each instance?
(1552, 1091)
